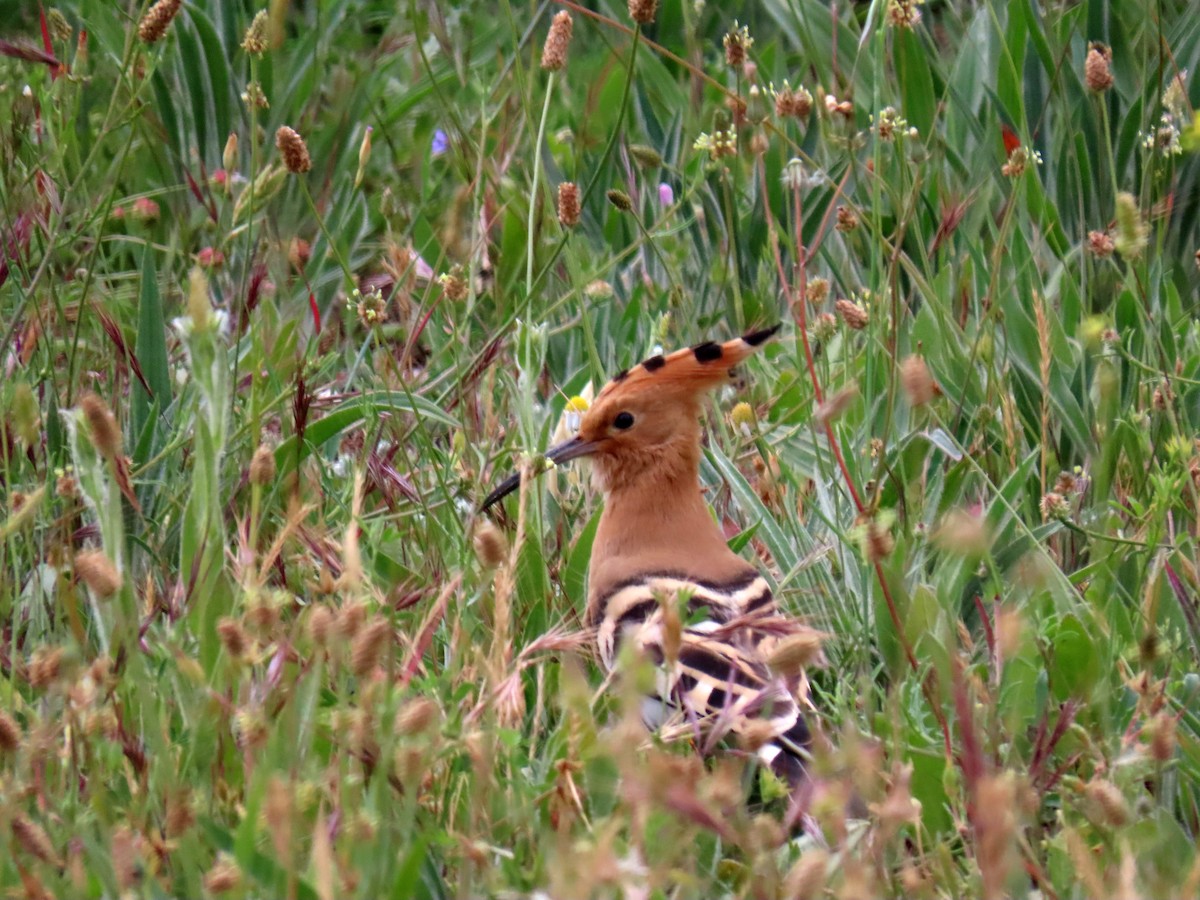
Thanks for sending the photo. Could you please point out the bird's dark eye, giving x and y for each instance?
(623, 420)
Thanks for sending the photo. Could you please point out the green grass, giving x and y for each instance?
(308, 684)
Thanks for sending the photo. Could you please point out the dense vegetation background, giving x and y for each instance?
(255, 639)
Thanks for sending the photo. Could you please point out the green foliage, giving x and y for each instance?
(314, 680)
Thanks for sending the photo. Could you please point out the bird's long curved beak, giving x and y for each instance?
(564, 452)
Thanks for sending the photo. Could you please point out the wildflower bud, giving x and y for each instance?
(742, 418)
(32, 838)
(198, 306)
(1100, 244)
(835, 405)
(255, 40)
(736, 43)
(847, 219)
(1097, 68)
(646, 157)
(666, 195)
(759, 143)
(554, 51)
(918, 383)
(852, 314)
(490, 546)
(598, 290)
(1054, 506)
(97, 571)
(293, 149)
(879, 541)
(156, 20)
(364, 156)
(224, 876)
(568, 204)
(369, 645)
(233, 637)
(643, 11)
(229, 157)
(619, 199)
(106, 435)
(1105, 803)
(262, 466)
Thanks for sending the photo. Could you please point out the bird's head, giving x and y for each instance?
(645, 422)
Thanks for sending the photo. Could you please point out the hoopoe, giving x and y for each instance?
(658, 550)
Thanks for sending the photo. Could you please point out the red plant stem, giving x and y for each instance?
(802, 257)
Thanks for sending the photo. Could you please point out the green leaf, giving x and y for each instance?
(151, 351)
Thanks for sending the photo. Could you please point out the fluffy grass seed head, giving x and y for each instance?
(558, 41)
(98, 572)
(855, 316)
(157, 19)
(1133, 234)
(102, 424)
(293, 150)
(918, 383)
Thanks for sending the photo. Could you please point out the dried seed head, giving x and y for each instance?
(45, 666)
(106, 435)
(759, 143)
(847, 219)
(293, 150)
(299, 251)
(369, 645)
(1133, 234)
(619, 199)
(836, 404)
(156, 20)
(879, 542)
(852, 314)
(817, 291)
(554, 51)
(792, 103)
(825, 327)
(1054, 506)
(643, 11)
(180, 816)
(1162, 737)
(233, 637)
(962, 534)
(417, 716)
(1105, 803)
(737, 42)
(262, 466)
(918, 383)
(904, 13)
(793, 654)
(491, 548)
(454, 284)
(568, 204)
(224, 876)
(1097, 68)
(10, 733)
(1100, 244)
(255, 40)
(32, 838)
(320, 624)
(807, 877)
(98, 572)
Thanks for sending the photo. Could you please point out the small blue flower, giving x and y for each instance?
(440, 143)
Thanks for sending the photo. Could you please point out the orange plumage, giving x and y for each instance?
(657, 544)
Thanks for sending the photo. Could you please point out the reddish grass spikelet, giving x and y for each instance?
(224, 876)
(852, 314)
(1097, 68)
(918, 383)
(32, 838)
(558, 42)
(10, 733)
(568, 204)
(262, 466)
(294, 151)
(157, 19)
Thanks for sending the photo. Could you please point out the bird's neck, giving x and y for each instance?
(655, 524)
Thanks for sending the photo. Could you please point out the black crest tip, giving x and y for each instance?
(707, 352)
(755, 338)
